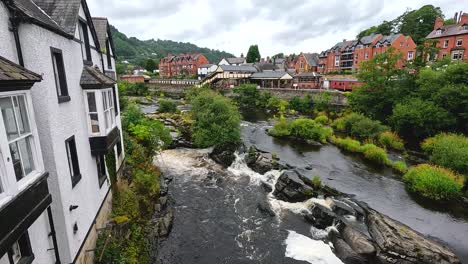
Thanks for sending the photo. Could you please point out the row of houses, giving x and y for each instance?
(59, 119)
(183, 64)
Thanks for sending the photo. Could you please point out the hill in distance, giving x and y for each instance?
(137, 51)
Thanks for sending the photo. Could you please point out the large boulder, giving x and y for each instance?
(224, 155)
(397, 243)
(261, 161)
(346, 253)
(291, 188)
(360, 243)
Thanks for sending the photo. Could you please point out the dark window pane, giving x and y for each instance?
(92, 102)
(16, 159)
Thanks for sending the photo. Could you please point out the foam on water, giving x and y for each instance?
(300, 247)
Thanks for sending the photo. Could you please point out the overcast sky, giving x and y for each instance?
(288, 26)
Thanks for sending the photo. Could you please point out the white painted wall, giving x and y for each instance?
(223, 62)
(7, 41)
(56, 123)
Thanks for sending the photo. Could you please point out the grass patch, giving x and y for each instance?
(434, 182)
(391, 140)
(376, 154)
(316, 182)
(448, 150)
(399, 166)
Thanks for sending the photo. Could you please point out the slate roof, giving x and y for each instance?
(269, 75)
(311, 58)
(279, 60)
(92, 78)
(389, 38)
(100, 25)
(263, 66)
(36, 15)
(64, 12)
(206, 66)
(241, 68)
(369, 39)
(308, 74)
(235, 60)
(10, 71)
(452, 30)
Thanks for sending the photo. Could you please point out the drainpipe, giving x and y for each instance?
(15, 22)
(52, 233)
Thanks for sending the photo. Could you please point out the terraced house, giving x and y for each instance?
(59, 124)
(348, 55)
(184, 64)
(453, 39)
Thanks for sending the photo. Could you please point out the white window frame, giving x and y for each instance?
(337, 60)
(410, 55)
(101, 111)
(446, 43)
(459, 42)
(11, 187)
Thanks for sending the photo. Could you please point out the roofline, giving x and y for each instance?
(26, 18)
(90, 24)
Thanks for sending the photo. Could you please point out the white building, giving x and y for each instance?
(205, 70)
(62, 126)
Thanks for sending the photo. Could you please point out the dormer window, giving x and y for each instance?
(465, 27)
(439, 32)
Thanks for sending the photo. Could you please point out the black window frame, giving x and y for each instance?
(101, 169)
(58, 62)
(26, 250)
(108, 54)
(84, 25)
(70, 147)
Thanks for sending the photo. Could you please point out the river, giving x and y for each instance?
(218, 217)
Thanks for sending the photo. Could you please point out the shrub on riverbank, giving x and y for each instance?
(306, 129)
(375, 154)
(448, 150)
(391, 140)
(136, 193)
(434, 182)
(321, 119)
(359, 126)
(399, 166)
(216, 120)
(167, 106)
(347, 144)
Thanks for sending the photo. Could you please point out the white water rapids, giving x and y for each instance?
(195, 165)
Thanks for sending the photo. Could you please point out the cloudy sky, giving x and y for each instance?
(288, 26)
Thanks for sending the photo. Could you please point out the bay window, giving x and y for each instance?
(100, 111)
(18, 152)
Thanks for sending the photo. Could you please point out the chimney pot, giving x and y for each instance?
(438, 23)
(463, 18)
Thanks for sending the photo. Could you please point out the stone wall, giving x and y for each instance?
(338, 98)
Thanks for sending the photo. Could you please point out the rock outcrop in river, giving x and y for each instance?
(359, 234)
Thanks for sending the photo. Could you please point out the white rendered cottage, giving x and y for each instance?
(74, 124)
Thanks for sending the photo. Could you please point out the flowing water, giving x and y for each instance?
(220, 215)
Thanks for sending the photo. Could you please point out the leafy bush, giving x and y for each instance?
(321, 119)
(216, 120)
(400, 167)
(302, 104)
(391, 140)
(310, 130)
(125, 204)
(434, 182)
(167, 106)
(366, 129)
(339, 124)
(417, 119)
(448, 150)
(152, 134)
(282, 128)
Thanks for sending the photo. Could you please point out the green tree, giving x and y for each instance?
(247, 95)
(150, 65)
(419, 23)
(216, 120)
(253, 55)
(418, 119)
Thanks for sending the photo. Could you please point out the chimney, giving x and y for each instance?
(268, 59)
(464, 19)
(344, 40)
(262, 60)
(242, 55)
(455, 18)
(439, 23)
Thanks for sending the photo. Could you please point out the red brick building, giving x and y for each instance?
(452, 40)
(306, 62)
(184, 64)
(133, 78)
(348, 55)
